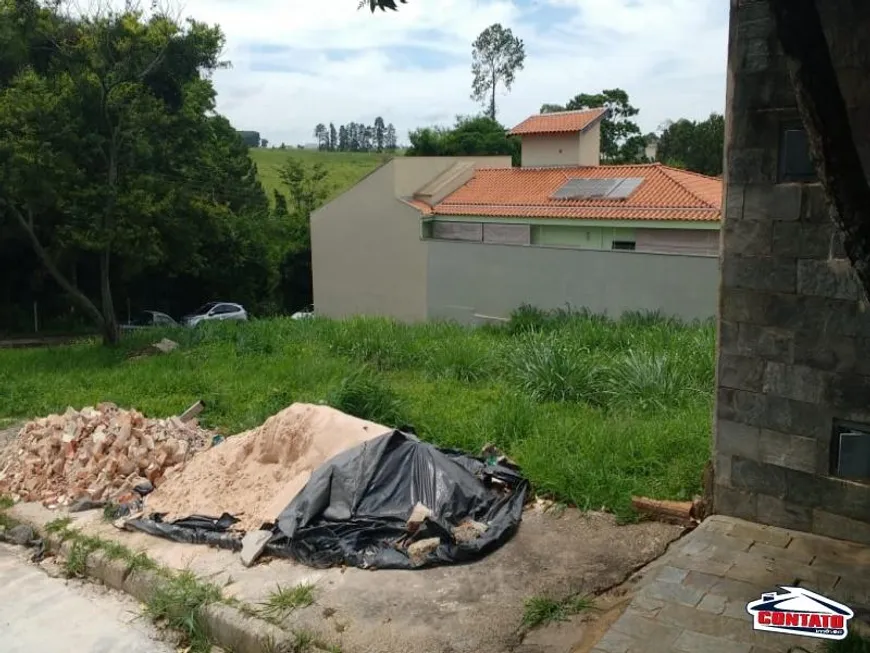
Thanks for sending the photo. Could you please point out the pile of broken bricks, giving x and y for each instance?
(98, 453)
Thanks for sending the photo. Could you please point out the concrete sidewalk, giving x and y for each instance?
(48, 615)
(452, 609)
(693, 599)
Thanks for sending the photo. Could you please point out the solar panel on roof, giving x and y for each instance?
(578, 189)
(583, 189)
(625, 188)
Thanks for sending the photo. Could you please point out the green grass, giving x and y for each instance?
(178, 602)
(593, 409)
(540, 610)
(285, 600)
(345, 168)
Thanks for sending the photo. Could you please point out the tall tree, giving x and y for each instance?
(621, 138)
(390, 138)
(380, 134)
(89, 138)
(343, 145)
(497, 55)
(322, 136)
(333, 137)
(308, 187)
(694, 145)
(264, 143)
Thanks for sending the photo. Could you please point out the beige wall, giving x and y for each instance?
(466, 280)
(562, 149)
(367, 257)
(412, 173)
(366, 249)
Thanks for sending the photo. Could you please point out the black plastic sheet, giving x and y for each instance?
(355, 508)
(196, 529)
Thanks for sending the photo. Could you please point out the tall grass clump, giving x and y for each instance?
(469, 359)
(550, 368)
(650, 381)
(366, 395)
(383, 344)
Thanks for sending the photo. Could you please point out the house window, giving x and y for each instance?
(795, 162)
(627, 245)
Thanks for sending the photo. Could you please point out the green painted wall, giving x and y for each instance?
(579, 237)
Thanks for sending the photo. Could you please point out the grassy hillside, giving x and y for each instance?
(345, 168)
(593, 410)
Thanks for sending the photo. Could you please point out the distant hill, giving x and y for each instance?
(345, 168)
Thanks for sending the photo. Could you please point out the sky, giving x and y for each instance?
(297, 63)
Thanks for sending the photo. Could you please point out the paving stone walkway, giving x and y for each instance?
(693, 599)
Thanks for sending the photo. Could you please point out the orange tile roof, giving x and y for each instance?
(665, 194)
(559, 122)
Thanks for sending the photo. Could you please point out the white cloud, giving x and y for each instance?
(668, 54)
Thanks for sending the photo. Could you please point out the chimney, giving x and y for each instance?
(561, 139)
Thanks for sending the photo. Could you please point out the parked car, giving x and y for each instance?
(216, 311)
(149, 319)
(304, 314)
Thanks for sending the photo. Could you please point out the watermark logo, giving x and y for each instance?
(797, 611)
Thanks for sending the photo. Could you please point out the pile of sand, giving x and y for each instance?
(97, 453)
(254, 475)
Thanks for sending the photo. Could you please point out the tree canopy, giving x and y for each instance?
(497, 55)
(621, 138)
(470, 136)
(116, 172)
(694, 145)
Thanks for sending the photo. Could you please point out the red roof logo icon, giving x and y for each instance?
(798, 611)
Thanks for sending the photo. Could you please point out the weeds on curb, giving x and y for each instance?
(178, 601)
(59, 526)
(76, 562)
(540, 610)
(283, 601)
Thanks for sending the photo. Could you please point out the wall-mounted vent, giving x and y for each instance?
(602, 189)
(850, 451)
(795, 163)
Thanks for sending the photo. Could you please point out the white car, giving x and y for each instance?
(216, 311)
(305, 314)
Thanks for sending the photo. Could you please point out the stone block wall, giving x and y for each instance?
(794, 325)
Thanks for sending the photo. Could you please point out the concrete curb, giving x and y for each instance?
(229, 628)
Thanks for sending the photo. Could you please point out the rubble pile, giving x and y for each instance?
(97, 453)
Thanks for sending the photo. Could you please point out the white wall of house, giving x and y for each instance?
(570, 149)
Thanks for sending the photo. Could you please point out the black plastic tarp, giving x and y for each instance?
(354, 510)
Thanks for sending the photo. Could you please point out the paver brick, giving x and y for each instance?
(670, 574)
(644, 629)
(776, 553)
(713, 603)
(706, 622)
(646, 605)
(761, 533)
(700, 580)
(615, 642)
(672, 592)
(692, 642)
(738, 590)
